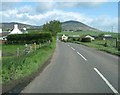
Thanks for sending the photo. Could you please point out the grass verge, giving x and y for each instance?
(99, 46)
(18, 68)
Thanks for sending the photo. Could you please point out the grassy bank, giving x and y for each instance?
(94, 33)
(10, 50)
(14, 68)
(99, 45)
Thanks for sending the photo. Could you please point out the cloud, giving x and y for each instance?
(102, 22)
(105, 22)
(60, 0)
(26, 9)
(46, 11)
(6, 5)
(12, 0)
(45, 6)
(49, 6)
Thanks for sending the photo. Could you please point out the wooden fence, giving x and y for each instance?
(28, 48)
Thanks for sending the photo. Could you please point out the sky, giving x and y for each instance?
(99, 14)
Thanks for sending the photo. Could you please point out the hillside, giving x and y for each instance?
(76, 26)
(66, 26)
(9, 26)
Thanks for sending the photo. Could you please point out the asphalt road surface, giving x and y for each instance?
(77, 69)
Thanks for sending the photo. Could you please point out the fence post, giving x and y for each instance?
(18, 52)
(26, 49)
(31, 49)
(116, 42)
(49, 41)
(35, 46)
(40, 45)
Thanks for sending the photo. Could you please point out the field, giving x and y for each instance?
(97, 44)
(114, 35)
(14, 68)
(10, 50)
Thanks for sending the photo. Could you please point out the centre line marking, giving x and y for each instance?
(82, 56)
(106, 81)
(72, 48)
(68, 45)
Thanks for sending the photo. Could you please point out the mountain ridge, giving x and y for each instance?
(70, 25)
(76, 26)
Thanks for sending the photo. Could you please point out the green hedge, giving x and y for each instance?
(71, 39)
(29, 38)
(118, 45)
(85, 40)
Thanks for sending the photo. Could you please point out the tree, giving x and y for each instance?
(53, 26)
(100, 36)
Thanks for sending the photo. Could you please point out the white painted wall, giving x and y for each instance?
(16, 30)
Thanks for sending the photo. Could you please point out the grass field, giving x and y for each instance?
(10, 50)
(97, 44)
(14, 68)
(114, 35)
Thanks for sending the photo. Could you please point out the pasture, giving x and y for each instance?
(14, 67)
(94, 33)
(97, 44)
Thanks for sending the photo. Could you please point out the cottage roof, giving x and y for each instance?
(107, 36)
(16, 30)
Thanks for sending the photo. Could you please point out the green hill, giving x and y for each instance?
(76, 26)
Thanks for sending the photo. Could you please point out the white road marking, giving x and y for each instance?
(106, 81)
(68, 45)
(82, 56)
(72, 48)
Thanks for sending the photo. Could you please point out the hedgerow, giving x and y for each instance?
(29, 38)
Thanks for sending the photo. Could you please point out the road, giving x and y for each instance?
(77, 69)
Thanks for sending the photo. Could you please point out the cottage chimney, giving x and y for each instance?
(15, 26)
(16, 30)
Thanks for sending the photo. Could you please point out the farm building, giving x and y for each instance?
(15, 30)
(74, 36)
(24, 30)
(106, 37)
(64, 38)
(89, 36)
(3, 36)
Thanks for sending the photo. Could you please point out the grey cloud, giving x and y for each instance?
(78, 4)
(44, 7)
(49, 6)
(7, 5)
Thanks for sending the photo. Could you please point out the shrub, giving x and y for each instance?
(70, 40)
(85, 40)
(118, 45)
(29, 38)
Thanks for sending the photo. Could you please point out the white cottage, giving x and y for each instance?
(105, 37)
(16, 30)
(0, 30)
(64, 38)
(88, 36)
